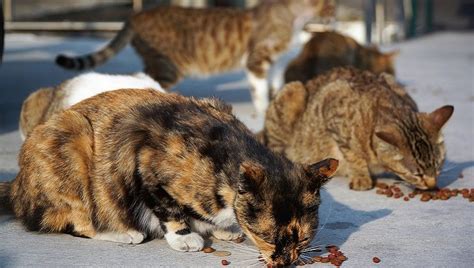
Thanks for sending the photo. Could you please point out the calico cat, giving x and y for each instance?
(327, 50)
(129, 164)
(367, 121)
(175, 42)
(43, 103)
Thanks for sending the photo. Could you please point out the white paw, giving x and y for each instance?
(187, 242)
(226, 235)
(136, 237)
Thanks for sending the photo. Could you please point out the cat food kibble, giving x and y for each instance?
(335, 257)
(225, 262)
(376, 260)
(393, 191)
(208, 250)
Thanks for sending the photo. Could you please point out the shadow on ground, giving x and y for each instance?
(5, 261)
(452, 171)
(338, 221)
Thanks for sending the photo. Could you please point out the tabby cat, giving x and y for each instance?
(175, 42)
(41, 104)
(367, 121)
(129, 164)
(327, 50)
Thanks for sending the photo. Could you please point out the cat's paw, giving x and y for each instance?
(187, 242)
(226, 235)
(361, 184)
(136, 237)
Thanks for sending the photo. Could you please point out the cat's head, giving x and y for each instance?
(414, 148)
(278, 209)
(311, 8)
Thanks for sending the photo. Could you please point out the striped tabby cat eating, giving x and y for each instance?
(367, 121)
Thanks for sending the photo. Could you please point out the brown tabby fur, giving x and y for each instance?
(175, 42)
(367, 121)
(327, 50)
(128, 164)
(38, 107)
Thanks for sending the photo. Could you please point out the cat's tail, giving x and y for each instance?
(5, 188)
(92, 60)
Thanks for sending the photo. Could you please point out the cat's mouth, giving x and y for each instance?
(422, 183)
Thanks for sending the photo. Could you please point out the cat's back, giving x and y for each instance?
(350, 88)
(329, 43)
(198, 41)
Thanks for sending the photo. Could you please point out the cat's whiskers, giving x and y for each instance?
(241, 246)
(311, 250)
(327, 218)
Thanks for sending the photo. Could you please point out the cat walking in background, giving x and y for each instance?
(367, 121)
(130, 164)
(44, 102)
(327, 50)
(175, 42)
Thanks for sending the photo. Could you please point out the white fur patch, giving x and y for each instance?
(90, 84)
(187, 242)
(148, 221)
(260, 95)
(225, 218)
(201, 227)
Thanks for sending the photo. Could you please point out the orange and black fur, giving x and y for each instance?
(175, 42)
(327, 50)
(367, 121)
(130, 164)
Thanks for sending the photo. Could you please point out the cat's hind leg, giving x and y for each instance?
(129, 237)
(157, 65)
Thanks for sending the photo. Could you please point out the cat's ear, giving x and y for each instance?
(252, 175)
(440, 116)
(322, 171)
(389, 135)
(392, 55)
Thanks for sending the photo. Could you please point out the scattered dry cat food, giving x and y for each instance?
(376, 260)
(221, 253)
(439, 194)
(335, 257)
(225, 262)
(208, 250)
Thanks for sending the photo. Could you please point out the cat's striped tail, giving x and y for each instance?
(5, 188)
(92, 60)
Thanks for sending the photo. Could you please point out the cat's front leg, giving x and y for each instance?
(173, 222)
(227, 234)
(358, 171)
(180, 238)
(258, 64)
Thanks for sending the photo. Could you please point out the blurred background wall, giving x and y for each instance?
(371, 21)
